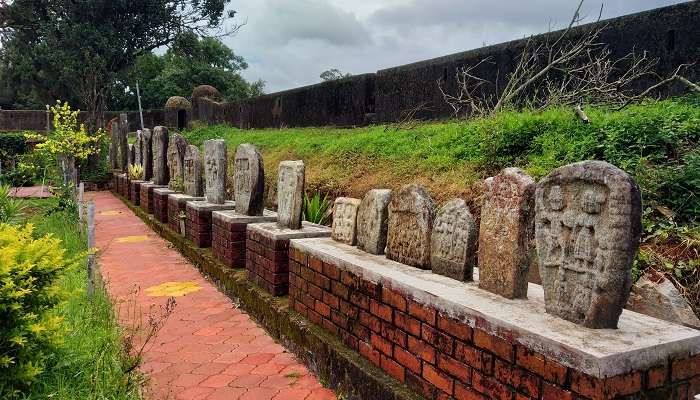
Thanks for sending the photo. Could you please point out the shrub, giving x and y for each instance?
(135, 172)
(317, 210)
(11, 209)
(30, 270)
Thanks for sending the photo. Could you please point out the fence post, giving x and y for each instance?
(91, 245)
(81, 219)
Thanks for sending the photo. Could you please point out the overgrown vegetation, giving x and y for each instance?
(317, 209)
(85, 358)
(655, 141)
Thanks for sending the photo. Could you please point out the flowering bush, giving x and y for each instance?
(69, 138)
(30, 270)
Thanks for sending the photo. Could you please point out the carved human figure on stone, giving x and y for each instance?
(345, 220)
(411, 216)
(161, 175)
(372, 221)
(290, 194)
(193, 172)
(453, 242)
(506, 232)
(176, 161)
(215, 165)
(588, 225)
(138, 148)
(249, 180)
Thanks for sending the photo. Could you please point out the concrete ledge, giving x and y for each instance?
(338, 367)
(276, 232)
(163, 191)
(207, 206)
(640, 342)
(232, 217)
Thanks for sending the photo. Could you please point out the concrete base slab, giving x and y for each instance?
(229, 235)
(199, 218)
(640, 341)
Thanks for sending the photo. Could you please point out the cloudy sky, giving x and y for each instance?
(288, 43)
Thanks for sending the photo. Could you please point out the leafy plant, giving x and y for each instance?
(177, 184)
(11, 209)
(135, 172)
(316, 209)
(30, 270)
(65, 200)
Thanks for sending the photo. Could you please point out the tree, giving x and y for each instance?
(189, 62)
(333, 75)
(76, 50)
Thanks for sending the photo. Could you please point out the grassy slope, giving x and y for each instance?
(89, 365)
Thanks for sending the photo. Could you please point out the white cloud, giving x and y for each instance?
(289, 43)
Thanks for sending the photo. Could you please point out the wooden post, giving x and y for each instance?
(91, 245)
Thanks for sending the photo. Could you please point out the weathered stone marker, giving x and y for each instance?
(176, 161)
(215, 165)
(505, 234)
(290, 193)
(192, 174)
(132, 154)
(411, 216)
(372, 221)
(588, 225)
(124, 142)
(138, 148)
(114, 146)
(249, 180)
(147, 154)
(345, 220)
(160, 156)
(453, 242)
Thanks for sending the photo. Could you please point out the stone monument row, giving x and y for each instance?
(453, 241)
(411, 217)
(373, 220)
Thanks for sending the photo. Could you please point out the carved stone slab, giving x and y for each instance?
(176, 161)
(147, 154)
(290, 194)
(372, 221)
(345, 220)
(588, 226)
(411, 216)
(138, 148)
(132, 154)
(453, 242)
(193, 172)
(249, 180)
(161, 175)
(507, 228)
(114, 146)
(124, 141)
(215, 165)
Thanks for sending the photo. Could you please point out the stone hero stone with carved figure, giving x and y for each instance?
(249, 180)
(453, 242)
(176, 161)
(290, 193)
(506, 232)
(588, 225)
(345, 220)
(411, 216)
(192, 174)
(372, 221)
(160, 156)
(215, 165)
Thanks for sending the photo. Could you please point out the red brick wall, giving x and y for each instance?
(228, 242)
(175, 207)
(198, 228)
(442, 358)
(135, 193)
(267, 262)
(147, 198)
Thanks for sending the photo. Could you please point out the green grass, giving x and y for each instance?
(656, 142)
(89, 364)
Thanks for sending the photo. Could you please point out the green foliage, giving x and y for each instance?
(177, 184)
(316, 209)
(333, 74)
(30, 272)
(91, 362)
(656, 142)
(190, 61)
(11, 209)
(69, 138)
(135, 172)
(65, 200)
(12, 145)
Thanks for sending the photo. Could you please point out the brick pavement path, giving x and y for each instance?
(36, 192)
(208, 348)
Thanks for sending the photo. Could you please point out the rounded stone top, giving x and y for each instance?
(206, 91)
(178, 103)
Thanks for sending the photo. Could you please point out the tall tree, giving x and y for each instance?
(76, 49)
